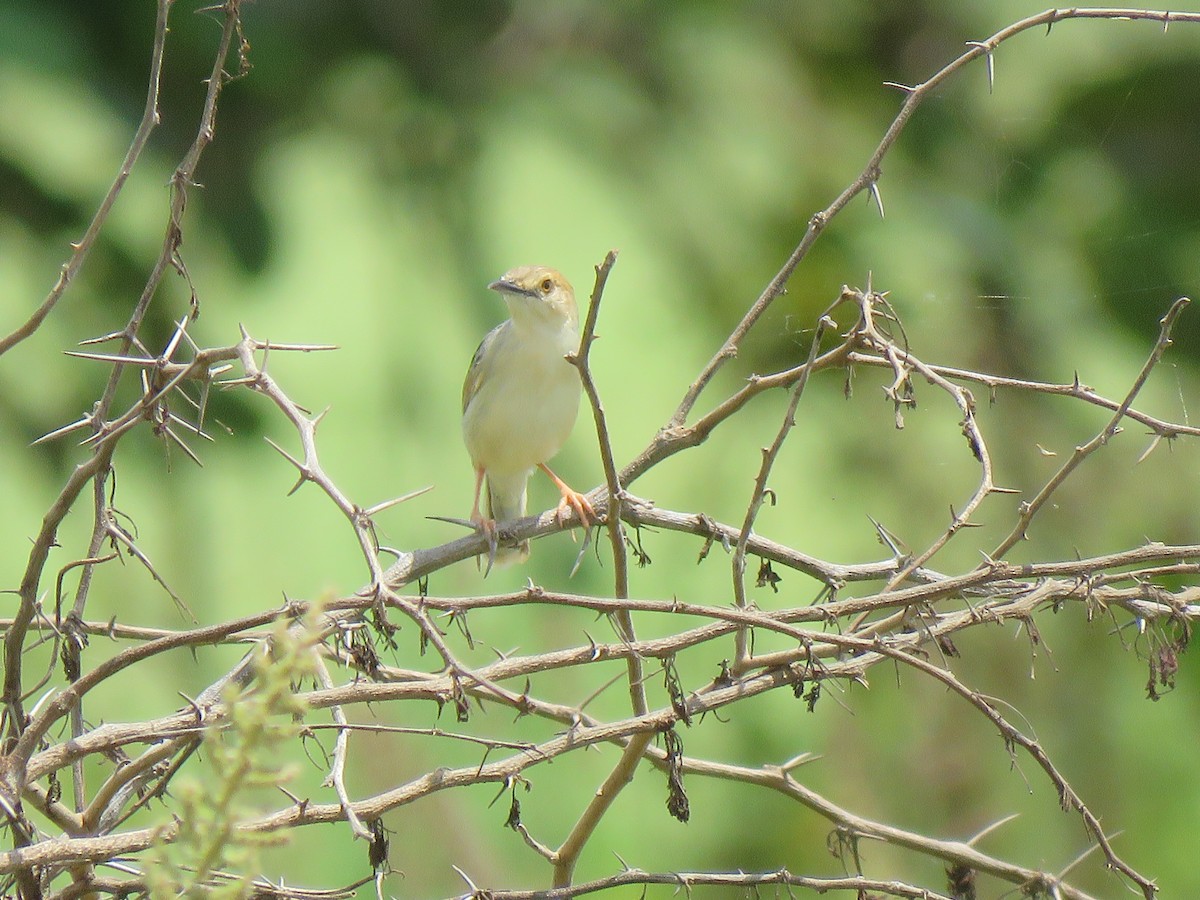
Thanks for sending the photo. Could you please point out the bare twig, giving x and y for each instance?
(150, 118)
(1031, 508)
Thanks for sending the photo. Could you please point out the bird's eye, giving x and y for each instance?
(547, 284)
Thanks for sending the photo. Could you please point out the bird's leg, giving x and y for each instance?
(485, 524)
(476, 516)
(571, 499)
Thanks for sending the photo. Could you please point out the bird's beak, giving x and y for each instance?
(503, 286)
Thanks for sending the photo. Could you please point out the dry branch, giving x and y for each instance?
(901, 611)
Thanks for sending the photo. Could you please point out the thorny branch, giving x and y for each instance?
(80, 249)
(899, 610)
(1030, 509)
(567, 855)
(95, 471)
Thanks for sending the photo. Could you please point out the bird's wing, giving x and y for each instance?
(479, 364)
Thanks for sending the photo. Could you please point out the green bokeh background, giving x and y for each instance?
(383, 161)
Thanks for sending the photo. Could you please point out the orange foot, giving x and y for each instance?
(571, 500)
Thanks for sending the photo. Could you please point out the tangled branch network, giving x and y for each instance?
(901, 611)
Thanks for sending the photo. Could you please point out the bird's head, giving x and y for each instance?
(538, 295)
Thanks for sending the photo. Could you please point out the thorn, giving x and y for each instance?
(987, 52)
(988, 829)
(493, 543)
(888, 539)
(295, 462)
(463, 876)
(169, 351)
(465, 523)
(41, 701)
(1153, 446)
(195, 347)
(583, 547)
(114, 358)
(797, 761)
(595, 654)
(103, 339)
(388, 504)
(292, 348)
(878, 197)
(95, 436)
(182, 446)
(66, 429)
(194, 429)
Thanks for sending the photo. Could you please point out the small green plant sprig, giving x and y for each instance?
(196, 855)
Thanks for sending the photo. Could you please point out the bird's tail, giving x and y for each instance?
(506, 502)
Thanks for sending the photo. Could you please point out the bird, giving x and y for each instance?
(520, 400)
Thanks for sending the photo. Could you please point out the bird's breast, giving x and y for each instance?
(525, 406)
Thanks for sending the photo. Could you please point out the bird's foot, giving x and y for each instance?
(571, 500)
(577, 502)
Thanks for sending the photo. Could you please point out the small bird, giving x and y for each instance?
(520, 400)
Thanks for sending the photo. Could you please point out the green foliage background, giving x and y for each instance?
(383, 161)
